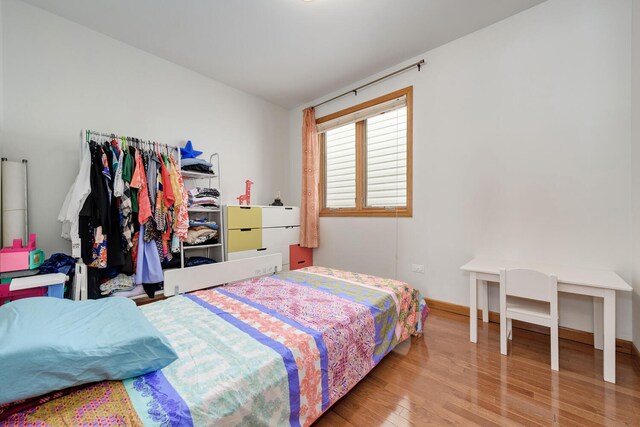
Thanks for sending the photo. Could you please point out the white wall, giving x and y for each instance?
(521, 150)
(635, 188)
(60, 77)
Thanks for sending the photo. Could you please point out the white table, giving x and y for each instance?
(599, 284)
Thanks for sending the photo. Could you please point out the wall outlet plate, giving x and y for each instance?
(75, 248)
(417, 268)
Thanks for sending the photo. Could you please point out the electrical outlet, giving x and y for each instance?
(417, 268)
(75, 248)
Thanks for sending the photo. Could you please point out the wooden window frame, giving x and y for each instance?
(361, 209)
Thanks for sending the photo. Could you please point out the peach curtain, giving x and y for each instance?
(310, 208)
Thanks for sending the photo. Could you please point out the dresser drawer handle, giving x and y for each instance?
(301, 262)
(261, 249)
(245, 229)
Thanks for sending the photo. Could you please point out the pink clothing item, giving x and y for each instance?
(310, 207)
(139, 181)
(175, 186)
(166, 186)
(181, 226)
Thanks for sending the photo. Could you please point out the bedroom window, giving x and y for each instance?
(366, 155)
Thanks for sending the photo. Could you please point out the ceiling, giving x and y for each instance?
(288, 52)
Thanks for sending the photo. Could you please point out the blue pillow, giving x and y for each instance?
(49, 344)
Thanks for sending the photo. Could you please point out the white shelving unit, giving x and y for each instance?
(199, 179)
(203, 210)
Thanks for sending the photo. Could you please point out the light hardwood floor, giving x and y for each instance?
(444, 379)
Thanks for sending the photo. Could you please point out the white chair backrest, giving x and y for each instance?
(529, 284)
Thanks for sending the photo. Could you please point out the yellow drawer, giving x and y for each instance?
(243, 217)
(244, 239)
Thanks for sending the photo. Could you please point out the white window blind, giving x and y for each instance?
(386, 159)
(363, 114)
(340, 164)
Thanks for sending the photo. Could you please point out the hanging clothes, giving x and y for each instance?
(134, 192)
(76, 196)
(159, 221)
(148, 270)
(166, 185)
(181, 226)
(118, 182)
(115, 254)
(139, 181)
(129, 207)
(152, 178)
(126, 205)
(94, 217)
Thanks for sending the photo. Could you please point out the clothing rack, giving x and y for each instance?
(86, 133)
(80, 291)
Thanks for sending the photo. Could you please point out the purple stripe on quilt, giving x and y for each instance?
(317, 336)
(281, 349)
(377, 313)
(167, 407)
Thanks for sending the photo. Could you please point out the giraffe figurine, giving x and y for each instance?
(246, 197)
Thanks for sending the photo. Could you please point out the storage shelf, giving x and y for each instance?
(212, 180)
(197, 175)
(213, 245)
(199, 209)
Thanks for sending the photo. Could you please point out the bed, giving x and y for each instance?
(277, 349)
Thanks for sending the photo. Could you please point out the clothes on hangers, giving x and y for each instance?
(115, 254)
(152, 178)
(126, 204)
(167, 191)
(148, 270)
(139, 182)
(182, 215)
(76, 196)
(94, 217)
(118, 182)
(129, 206)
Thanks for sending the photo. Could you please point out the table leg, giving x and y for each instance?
(609, 319)
(598, 324)
(473, 308)
(484, 304)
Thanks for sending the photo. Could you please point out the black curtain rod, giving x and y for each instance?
(130, 139)
(418, 64)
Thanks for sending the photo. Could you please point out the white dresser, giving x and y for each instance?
(261, 230)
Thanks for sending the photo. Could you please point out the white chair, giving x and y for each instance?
(532, 297)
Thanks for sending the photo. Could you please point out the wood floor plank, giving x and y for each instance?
(444, 379)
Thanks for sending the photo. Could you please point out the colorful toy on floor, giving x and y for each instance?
(18, 257)
(246, 197)
(19, 270)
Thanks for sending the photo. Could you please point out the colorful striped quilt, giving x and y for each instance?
(276, 350)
